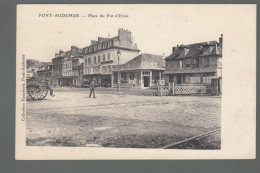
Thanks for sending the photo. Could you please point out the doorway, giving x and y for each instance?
(178, 79)
(146, 81)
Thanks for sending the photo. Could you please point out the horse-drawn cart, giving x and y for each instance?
(36, 89)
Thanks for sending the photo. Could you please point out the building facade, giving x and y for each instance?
(77, 69)
(57, 68)
(100, 58)
(143, 71)
(45, 72)
(199, 63)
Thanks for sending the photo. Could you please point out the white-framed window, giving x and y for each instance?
(207, 80)
(104, 57)
(180, 63)
(195, 79)
(108, 56)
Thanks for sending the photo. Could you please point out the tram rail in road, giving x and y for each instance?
(197, 137)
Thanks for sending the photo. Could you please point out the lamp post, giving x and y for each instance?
(118, 73)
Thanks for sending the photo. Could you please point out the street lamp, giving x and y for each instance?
(118, 79)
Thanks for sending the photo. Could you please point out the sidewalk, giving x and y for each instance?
(125, 91)
(103, 90)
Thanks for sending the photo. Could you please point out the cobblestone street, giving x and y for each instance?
(72, 119)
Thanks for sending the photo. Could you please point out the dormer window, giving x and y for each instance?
(186, 50)
(210, 49)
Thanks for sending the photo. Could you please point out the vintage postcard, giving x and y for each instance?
(135, 81)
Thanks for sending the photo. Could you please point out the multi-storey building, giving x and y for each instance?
(198, 63)
(143, 71)
(77, 69)
(67, 66)
(100, 58)
(57, 68)
(45, 72)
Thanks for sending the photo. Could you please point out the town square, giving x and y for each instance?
(109, 94)
(122, 121)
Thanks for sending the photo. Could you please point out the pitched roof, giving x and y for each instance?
(104, 40)
(144, 61)
(195, 50)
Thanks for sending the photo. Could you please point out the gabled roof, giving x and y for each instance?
(144, 61)
(196, 50)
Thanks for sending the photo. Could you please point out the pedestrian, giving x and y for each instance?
(50, 88)
(92, 88)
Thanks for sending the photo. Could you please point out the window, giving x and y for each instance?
(99, 58)
(206, 62)
(95, 60)
(196, 79)
(104, 69)
(188, 63)
(146, 73)
(131, 75)
(89, 60)
(109, 69)
(104, 57)
(108, 56)
(180, 64)
(196, 62)
(207, 80)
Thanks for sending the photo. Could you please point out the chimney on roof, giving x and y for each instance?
(173, 49)
(74, 50)
(124, 35)
(61, 51)
(221, 41)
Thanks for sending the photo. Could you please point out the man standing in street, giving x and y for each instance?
(50, 88)
(92, 88)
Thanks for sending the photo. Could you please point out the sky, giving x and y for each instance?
(155, 28)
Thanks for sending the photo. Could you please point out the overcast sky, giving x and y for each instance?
(155, 28)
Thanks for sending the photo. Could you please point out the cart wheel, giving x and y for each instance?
(36, 93)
